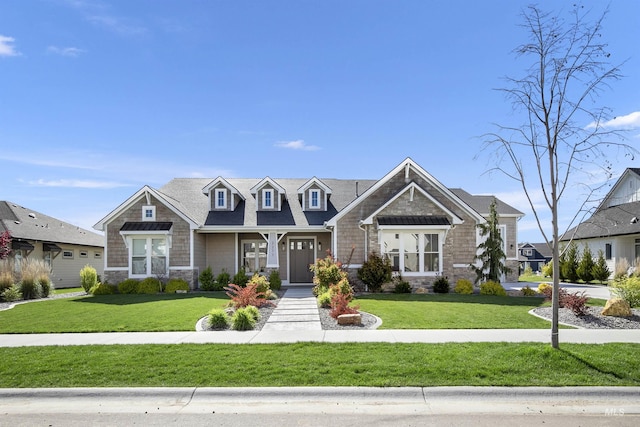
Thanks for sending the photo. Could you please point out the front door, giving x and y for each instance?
(301, 255)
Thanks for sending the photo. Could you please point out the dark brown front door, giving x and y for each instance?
(301, 255)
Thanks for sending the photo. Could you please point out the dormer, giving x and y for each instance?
(314, 195)
(269, 195)
(222, 195)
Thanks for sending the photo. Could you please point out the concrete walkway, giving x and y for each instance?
(297, 310)
(592, 291)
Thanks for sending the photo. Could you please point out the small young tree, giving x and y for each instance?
(570, 265)
(585, 266)
(5, 244)
(600, 269)
(491, 255)
(375, 272)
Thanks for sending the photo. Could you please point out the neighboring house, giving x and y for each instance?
(533, 255)
(614, 227)
(65, 247)
(264, 224)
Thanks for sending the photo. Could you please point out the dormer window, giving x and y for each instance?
(267, 199)
(314, 199)
(148, 213)
(221, 198)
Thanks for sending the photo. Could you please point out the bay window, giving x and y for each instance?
(412, 252)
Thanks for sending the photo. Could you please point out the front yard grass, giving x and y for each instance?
(452, 311)
(321, 364)
(111, 313)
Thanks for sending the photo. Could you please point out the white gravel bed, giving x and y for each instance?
(593, 319)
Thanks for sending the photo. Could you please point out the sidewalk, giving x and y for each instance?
(431, 336)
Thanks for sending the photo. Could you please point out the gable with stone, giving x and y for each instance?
(425, 228)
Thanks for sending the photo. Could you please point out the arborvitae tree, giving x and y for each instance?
(492, 256)
(570, 265)
(585, 266)
(600, 269)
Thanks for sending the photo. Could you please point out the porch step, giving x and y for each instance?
(296, 311)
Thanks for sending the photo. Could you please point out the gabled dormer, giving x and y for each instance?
(269, 195)
(222, 195)
(314, 195)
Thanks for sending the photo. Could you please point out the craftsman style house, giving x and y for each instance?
(614, 228)
(425, 228)
(64, 247)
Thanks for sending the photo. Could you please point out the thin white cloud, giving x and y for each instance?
(6, 46)
(66, 51)
(72, 160)
(77, 183)
(298, 144)
(116, 25)
(629, 121)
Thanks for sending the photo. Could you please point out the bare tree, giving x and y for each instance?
(564, 139)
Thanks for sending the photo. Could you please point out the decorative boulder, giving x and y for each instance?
(350, 319)
(617, 307)
(422, 291)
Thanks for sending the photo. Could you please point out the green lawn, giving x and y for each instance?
(111, 313)
(321, 364)
(452, 311)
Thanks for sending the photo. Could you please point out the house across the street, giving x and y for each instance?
(65, 247)
(533, 255)
(614, 228)
(264, 224)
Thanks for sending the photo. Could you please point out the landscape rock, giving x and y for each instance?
(617, 307)
(349, 319)
(422, 291)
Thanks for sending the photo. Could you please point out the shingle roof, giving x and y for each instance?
(614, 221)
(187, 194)
(481, 203)
(27, 224)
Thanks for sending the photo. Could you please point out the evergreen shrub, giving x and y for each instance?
(375, 271)
(128, 286)
(441, 285)
(174, 285)
(492, 288)
(88, 278)
(463, 286)
(241, 278)
(11, 294)
(274, 280)
(103, 289)
(206, 280)
(149, 285)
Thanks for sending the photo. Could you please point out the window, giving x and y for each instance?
(148, 213)
(527, 252)
(221, 198)
(607, 251)
(314, 199)
(84, 254)
(148, 256)
(254, 256)
(67, 254)
(411, 252)
(267, 199)
(97, 255)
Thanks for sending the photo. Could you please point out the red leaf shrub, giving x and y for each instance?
(576, 302)
(243, 297)
(340, 305)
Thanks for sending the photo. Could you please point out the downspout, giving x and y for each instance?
(366, 246)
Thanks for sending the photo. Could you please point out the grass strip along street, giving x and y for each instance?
(321, 364)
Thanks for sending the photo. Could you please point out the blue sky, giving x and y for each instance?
(98, 98)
